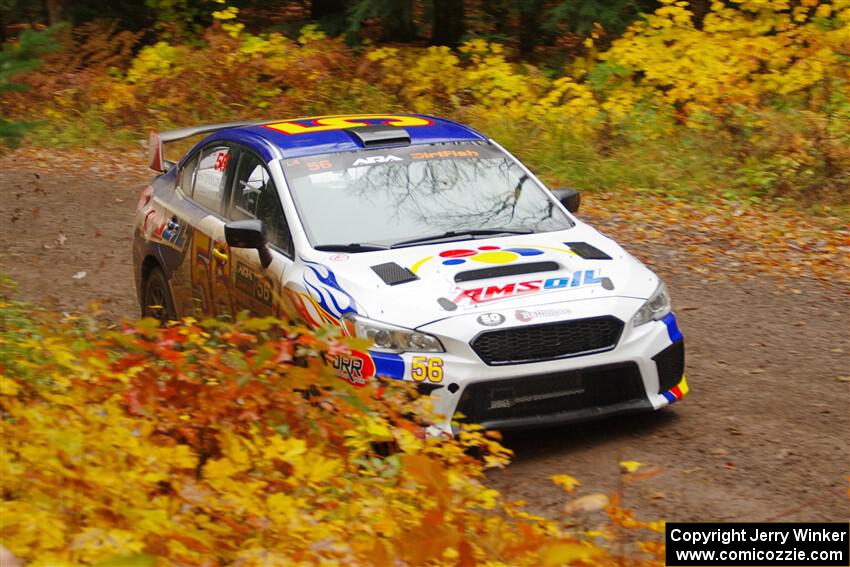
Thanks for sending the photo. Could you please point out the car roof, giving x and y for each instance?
(327, 134)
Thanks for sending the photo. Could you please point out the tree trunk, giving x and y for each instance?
(699, 8)
(56, 11)
(499, 13)
(449, 24)
(529, 25)
(323, 8)
(398, 21)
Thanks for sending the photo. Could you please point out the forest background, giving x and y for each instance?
(746, 100)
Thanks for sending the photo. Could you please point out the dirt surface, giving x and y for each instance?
(66, 232)
(764, 434)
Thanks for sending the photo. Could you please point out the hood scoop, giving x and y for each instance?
(393, 274)
(502, 271)
(587, 251)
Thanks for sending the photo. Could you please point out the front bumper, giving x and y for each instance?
(644, 371)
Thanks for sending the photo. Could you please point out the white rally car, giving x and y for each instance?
(426, 237)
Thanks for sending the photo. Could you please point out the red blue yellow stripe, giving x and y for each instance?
(677, 392)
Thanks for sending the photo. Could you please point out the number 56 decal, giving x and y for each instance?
(423, 367)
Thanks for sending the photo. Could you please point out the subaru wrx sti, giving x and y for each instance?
(425, 237)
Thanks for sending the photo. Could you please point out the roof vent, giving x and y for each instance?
(379, 136)
(503, 271)
(393, 274)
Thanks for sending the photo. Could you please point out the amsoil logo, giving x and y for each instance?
(494, 292)
(371, 160)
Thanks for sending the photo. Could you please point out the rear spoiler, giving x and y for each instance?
(156, 140)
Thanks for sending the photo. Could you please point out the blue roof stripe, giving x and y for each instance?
(314, 137)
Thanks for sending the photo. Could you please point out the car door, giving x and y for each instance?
(209, 266)
(254, 196)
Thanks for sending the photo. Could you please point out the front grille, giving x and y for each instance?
(551, 393)
(670, 363)
(548, 341)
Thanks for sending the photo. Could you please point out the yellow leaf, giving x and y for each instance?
(565, 481)
(629, 466)
(317, 469)
(565, 553)
(284, 449)
(378, 430)
(8, 387)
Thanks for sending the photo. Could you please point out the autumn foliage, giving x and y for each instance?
(751, 97)
(230, 444)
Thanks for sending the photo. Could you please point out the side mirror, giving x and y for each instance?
(248, 234)
(570, 198)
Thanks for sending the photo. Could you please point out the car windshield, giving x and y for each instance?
(374, 199)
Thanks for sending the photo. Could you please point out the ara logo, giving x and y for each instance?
(375, 159)
(580, 278)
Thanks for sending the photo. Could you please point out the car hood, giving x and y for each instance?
(417, 285)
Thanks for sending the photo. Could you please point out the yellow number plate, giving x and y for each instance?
(426, 368)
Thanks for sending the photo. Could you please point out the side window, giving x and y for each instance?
(255, 197)
(209, 181)
(187, 175)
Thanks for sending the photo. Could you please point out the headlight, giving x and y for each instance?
(389, 338)
(656, 307)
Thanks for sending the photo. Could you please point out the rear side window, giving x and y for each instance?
(209, 181)
(187, 175)
(255, 197)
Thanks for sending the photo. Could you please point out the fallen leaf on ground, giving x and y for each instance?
(629, 466)
(565, 481)
(590, 503)
(79, 275)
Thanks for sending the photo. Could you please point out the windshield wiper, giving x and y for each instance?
(353, 247)
(452, 235)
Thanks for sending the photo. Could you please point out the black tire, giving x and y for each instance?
(156, 299)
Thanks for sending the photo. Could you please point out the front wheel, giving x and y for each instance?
(157, 301)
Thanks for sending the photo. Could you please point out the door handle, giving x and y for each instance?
(220, 255)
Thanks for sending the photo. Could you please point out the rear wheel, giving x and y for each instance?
(156, 301)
